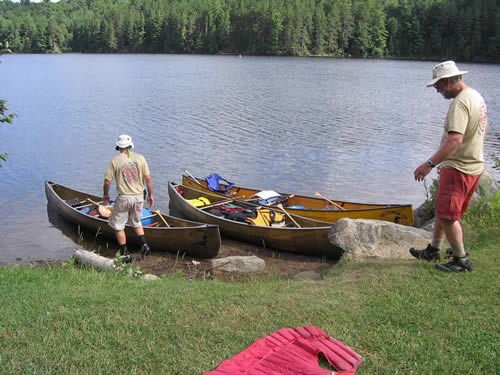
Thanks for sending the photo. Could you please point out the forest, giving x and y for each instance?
(460, 29)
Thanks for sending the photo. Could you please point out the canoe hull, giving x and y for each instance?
(320, 209)
(310, 240)
(183, 237)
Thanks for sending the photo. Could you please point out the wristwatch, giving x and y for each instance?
(430, 163)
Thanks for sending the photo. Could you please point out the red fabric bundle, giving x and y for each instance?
(291, 352)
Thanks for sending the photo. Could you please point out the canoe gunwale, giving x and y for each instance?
(199, 239)
(312, 240)
(396, 213)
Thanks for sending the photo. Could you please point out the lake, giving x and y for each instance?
(351, 129)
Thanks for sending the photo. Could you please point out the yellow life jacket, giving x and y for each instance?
(265, 217)
(199, 202)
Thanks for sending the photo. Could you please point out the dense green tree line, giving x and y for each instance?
(461, 29)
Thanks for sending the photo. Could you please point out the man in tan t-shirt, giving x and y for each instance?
(461, 159)
(130, 171)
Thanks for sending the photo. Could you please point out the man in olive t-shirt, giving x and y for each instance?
(461, 159)
(130, 171)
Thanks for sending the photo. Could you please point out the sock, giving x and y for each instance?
(437, 242)
(124, 249)
(142, 239)
(459, 250)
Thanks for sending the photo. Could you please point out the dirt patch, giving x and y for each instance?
(278, 264)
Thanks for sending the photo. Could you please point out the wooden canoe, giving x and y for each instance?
(183, 236)
(311, 238)
(319, 208)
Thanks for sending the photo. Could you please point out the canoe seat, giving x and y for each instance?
(214, 180)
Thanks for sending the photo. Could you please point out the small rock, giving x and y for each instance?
(308, 275)
(239, 264)
(149, 276)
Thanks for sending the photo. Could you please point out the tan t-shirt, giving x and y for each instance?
(468, 116)
(129, 172)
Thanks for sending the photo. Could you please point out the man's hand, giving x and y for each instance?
(151, 201)
(422, 171)
(149, 185)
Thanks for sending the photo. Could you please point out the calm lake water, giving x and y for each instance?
(351, 129)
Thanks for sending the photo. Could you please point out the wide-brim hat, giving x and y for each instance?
(445, 69)
(124, 141)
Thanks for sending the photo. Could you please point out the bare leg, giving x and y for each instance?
(452, 228)
(439, 231)
(139, 231)
(121, 238)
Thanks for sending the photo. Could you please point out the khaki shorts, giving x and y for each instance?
(128, 210)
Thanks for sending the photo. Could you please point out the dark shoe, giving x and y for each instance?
(145, 250)
(430, 253)
(458, 264)
(124, 250)
(125, 254)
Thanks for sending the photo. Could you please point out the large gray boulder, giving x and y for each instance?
(363, 238)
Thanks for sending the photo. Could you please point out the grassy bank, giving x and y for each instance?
(403, 317)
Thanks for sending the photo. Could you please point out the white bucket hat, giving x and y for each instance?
(445, 69)
(124, 141)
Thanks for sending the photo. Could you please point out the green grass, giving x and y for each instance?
(401, 316)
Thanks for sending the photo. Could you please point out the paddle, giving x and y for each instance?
(206, 187)
(103, 211)
(328, 200)
(162, 218)
(194, 178)
(280, 206)
(221, 202)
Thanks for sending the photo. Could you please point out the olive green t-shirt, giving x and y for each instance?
(129, 172)
(468, 116)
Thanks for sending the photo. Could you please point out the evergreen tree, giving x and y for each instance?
(494, 41)
(346, 24)
(320, 34)
(466, 29)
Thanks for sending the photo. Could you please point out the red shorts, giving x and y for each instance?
(455, 191)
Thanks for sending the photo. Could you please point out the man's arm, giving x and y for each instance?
(149, 185)
(448, 147)
(106, 187)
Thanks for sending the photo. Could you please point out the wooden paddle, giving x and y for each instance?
(221, 202)
(328, 200)
(103, 211)
(280, 206)
(162, 218)
(196, 181)
(194, 178)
